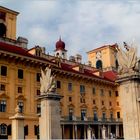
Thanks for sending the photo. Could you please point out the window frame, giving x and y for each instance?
(3, 70)
(20, 74)
(3, 105)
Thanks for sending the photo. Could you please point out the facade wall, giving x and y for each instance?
(10, 22)
(107, 56)
(29, 95)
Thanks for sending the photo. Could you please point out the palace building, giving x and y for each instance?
(90, 94)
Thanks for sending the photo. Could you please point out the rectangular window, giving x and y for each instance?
(58, 83)
(3, 70)
(110, 94)
(102, 102)
(38, 108)
(3, 129)
(111, 115)
(116, 93)
(2, 106)
(93, 91)
(37, 92)
(26, 130)
(19, 89)
(70, 113)
(104, 116)
(117, 103)
(70, 99)
(20, 73)
(118, 115)
(83, 114)
(38, 77)
(2, 87)
(36, 130)
(95, 116)
(94, 102)
(110, 103)
(102, 92)
(20, 103)
(82, 89)
(69, 86)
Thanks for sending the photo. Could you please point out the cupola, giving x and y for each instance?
(60, 50)
(60, 45)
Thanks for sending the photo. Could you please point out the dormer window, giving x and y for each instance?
(38, 52)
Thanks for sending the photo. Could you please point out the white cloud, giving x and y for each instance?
(83, 25)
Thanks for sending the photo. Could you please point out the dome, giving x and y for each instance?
(60, 45)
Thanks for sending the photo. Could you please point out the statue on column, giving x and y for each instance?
(127, 59)
(47, 80)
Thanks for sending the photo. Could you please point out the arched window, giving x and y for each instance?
(2, 30)
(99, 64)
(57, 54)
(3, 129)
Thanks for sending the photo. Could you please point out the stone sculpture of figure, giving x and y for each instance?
(127, 59)
(47, 80)
(103, 132)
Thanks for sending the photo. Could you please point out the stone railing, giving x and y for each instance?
(90, 119)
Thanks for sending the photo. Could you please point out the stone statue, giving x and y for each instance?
(103, 132)
(47, 80)
(127, 59)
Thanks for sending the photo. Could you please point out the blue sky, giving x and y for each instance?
(82, 24)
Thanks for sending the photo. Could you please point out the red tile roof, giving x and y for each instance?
(111, 75)
(85, 72)
(19, 50)
(14, 49)
(108, 76)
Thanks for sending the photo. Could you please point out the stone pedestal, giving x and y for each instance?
(50, 117)
(130, 95)
(17, 126)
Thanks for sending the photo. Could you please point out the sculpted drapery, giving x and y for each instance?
(127, 59)
(47, 81)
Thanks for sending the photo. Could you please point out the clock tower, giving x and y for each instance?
(104, 57)
(8, 23)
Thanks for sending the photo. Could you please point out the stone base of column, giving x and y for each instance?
(17, 127)
(50, 116)
(130, 103)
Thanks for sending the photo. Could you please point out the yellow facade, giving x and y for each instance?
(83, 94)
(10, 22)
(107, 54)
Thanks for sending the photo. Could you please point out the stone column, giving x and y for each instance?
(85, 132)
(63, 131)
(50, 116)
(74, 131)
(130, 95)
(17, 125)
(109, 131)
(99, 131)
(117, 130)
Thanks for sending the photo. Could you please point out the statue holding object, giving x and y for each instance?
(127, 59)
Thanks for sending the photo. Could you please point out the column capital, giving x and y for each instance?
(50, 96)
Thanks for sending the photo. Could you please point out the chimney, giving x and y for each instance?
(22, 42)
